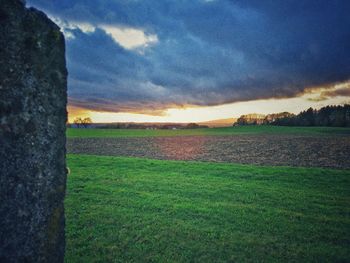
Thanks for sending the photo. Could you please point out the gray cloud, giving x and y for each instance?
(208, 53)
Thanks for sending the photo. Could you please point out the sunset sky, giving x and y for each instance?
(191, 61)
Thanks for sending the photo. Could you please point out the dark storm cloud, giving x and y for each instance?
(208, 52)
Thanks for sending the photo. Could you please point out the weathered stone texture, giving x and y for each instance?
(33, 96)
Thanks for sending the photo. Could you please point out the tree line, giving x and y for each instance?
(82, 122)
(336, 116)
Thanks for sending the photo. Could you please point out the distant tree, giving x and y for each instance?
(86, 122)
(251, 119)
(78, 121)
(192, 126)
(347, 115)
(195, 126)
(306, 118)
(282, 118)
(337, 116)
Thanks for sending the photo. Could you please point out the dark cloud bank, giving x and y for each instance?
(208, 52)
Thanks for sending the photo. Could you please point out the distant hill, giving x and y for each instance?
(219, 123)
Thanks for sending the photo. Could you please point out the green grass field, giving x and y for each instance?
(140, 210)
(84, 133)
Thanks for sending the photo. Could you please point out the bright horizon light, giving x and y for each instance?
(313, 98)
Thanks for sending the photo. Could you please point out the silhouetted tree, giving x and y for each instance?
(86, 122)
(337, 116)
(192, 126)
(80, 122)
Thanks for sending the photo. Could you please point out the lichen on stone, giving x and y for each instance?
(33, 98)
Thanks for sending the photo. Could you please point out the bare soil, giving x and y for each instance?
(285, 150)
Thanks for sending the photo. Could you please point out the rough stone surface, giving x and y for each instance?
(33, 96)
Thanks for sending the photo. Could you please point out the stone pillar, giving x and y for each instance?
(33, 97)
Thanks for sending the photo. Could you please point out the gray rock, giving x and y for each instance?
(33, 97)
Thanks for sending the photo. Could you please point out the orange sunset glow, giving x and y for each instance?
(316, 98)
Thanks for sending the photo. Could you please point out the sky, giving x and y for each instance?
(185, 61)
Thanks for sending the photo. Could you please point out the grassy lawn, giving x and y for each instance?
(71, 133)
(140, 210)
